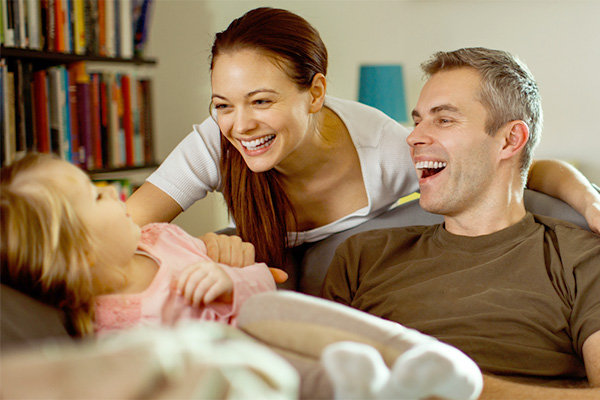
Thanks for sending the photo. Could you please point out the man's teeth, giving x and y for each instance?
(258, 143)
(430, 165)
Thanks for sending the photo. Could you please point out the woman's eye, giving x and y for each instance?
(262, 102)
(220, 106)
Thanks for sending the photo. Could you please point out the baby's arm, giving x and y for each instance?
(204, 282)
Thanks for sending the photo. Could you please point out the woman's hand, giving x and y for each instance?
(232, 251)
(203, 283)
(228, 250)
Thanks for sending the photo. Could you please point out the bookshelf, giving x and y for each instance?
(78, 86)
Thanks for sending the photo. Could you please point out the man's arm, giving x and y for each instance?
(591, 358)
(500, 389)
(563, 181)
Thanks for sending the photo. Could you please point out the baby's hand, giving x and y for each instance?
(204, 282)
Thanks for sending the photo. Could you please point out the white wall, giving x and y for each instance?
(558, 40)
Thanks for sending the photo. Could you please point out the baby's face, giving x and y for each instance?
(114, 234)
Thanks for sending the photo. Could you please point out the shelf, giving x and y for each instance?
(54, 58)
(120, 173)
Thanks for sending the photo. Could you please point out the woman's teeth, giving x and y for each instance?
(258, 143)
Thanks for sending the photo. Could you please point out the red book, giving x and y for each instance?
(127, 120)
(42, 125)
(59, 26)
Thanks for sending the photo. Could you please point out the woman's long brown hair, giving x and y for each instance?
(257, 202)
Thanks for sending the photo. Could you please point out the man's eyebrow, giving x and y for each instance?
(437, 109)
(444, 107)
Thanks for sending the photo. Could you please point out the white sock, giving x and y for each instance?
(434, 369)
(356, 370)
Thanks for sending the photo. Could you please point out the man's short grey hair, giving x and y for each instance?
(509, 91)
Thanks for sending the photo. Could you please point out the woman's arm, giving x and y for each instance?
(561, 180)
(150, 204)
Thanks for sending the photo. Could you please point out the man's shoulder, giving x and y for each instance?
(574, 244)
(564, 228)
(399, 234)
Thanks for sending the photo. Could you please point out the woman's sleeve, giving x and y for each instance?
(192, 168)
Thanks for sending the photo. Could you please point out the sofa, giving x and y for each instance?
(27, 326)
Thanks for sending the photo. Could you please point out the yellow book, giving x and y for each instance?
(79, 26)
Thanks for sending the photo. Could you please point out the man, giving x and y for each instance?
(518, 293)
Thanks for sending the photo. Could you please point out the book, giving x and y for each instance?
(7, 128)
(125, 29)
(59, 140)
(77, 153)
(82, 83)
(127, 121)
(65, 138)
(142, 11)
(26, 109)
(9, 117)
(102, 28)
(50, 25)
(146, 118)
(115, 131)
(95, 120)
(104, 119)
(41, 105)
(34, 24)
(20, 121)
(8, 22)
(91, 26)
(79, 36)
(67, 10)
(109, 28)
(59, 25)
(20, 23)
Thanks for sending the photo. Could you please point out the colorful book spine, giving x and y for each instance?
(127, 120)
(95, 120)
(41, 104)
(76, 151)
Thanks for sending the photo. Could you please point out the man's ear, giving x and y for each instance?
(317, 92)
(516, 134)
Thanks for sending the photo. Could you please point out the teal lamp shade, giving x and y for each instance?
(382, 87)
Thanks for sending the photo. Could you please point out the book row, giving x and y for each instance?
(95, 119)
(108, 28)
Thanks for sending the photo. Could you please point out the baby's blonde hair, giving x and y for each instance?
(44, 244)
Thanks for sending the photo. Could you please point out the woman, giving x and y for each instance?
(295, 165)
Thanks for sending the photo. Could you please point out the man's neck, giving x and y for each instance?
(490, 217)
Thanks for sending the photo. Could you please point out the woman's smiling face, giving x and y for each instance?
(259, 109)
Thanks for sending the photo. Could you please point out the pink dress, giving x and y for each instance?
(173, 250)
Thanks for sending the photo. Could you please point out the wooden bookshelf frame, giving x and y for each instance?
(54, 58)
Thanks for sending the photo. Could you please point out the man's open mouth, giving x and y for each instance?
(430, 168)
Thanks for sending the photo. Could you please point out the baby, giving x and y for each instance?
(72, 245)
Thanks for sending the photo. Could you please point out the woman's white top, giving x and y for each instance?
(192, 168)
